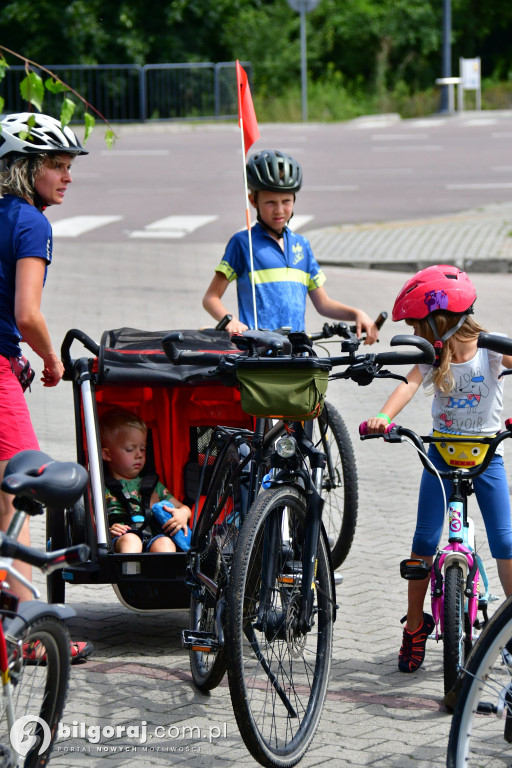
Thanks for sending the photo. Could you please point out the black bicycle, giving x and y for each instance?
(259, 569)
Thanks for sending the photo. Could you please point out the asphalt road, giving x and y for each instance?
(366, 170)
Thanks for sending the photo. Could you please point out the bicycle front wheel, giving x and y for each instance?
(454, 625)
(278, 674)
(39, 660)
(481, 730)
(339, 487)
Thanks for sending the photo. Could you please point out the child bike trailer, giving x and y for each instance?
(180, 405)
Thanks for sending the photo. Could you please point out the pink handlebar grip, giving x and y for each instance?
(363, 428)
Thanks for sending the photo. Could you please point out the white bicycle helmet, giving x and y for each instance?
(46, 135)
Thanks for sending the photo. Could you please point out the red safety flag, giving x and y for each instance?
(246, 114)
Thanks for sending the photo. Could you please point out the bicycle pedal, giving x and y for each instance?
(414, 570)
(192, 640)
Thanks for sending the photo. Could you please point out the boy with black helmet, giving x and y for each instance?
(285, 270)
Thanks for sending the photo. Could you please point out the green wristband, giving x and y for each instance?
(383, 416)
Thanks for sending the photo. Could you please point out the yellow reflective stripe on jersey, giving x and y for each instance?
(287, 275)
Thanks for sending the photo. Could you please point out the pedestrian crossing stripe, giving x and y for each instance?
(173, 226)
(74, 226)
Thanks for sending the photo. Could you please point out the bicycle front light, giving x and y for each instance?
(286, 447)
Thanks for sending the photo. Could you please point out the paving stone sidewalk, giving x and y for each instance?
(479, 240)
(138, 675)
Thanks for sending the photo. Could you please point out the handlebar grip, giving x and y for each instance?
(221, 325)
(495, 342)
(363, 430)
(74, 334)
(46, 561)
(381, 320)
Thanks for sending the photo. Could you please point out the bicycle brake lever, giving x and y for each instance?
(390, 375)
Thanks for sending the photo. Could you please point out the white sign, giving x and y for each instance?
(303, 5)
(470, 74)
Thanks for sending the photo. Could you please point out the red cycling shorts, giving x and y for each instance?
(16, 430)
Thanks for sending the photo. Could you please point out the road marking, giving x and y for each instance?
(172, 227)
(78, 225)
(476, 121)
(298, 221)
(408, 148)
(399, 136)
(377, 171)
(495, 185)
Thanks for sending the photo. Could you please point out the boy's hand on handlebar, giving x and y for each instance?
(366, 324)
(236, 326)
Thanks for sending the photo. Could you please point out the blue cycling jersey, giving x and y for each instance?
(282, 278)
(24, 231)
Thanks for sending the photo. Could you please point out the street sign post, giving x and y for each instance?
(303, 7)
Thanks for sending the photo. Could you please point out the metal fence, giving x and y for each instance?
(134, 93)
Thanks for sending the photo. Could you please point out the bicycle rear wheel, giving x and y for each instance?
(215, 546)
(481, 730)
(454, 625)
(277, 674)
(40, 683)
(339, 488)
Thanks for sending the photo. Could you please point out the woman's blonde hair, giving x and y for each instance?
(20, 175)
(442, 377)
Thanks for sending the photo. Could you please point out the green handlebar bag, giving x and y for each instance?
(294, 392)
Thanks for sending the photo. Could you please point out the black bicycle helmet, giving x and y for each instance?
(273, 171)
(19, 137)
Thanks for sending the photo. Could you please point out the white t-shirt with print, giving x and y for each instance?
(475, 404)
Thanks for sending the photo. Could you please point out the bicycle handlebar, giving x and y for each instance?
(45, 561)
(394, 433)
(495, 342)
(254, 342)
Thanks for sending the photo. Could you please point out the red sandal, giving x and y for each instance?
(79, 652)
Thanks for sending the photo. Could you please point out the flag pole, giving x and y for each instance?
(249, 230)
(244, 99)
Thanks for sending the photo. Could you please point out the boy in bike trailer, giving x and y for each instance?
(285, 270)
(468, 400)
(143, 515)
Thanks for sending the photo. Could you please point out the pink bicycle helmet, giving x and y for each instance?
(437, 287)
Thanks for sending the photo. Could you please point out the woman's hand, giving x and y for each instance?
(53, 371)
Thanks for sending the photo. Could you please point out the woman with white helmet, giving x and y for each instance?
(36, 152)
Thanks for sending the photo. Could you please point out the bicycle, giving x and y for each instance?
(481, 729)
(340, 485)
(459, 583)
(263, 593)
(34, 640)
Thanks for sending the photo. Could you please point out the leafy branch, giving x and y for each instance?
(32, 89)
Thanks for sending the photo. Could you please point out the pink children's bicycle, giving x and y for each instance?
(459, 583)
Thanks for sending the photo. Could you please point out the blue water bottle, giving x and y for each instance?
(162, 516)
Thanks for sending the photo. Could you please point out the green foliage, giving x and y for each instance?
(366, 52)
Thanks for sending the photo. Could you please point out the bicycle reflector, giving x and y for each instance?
(414, 570)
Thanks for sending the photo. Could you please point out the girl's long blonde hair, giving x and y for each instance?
(442, 377)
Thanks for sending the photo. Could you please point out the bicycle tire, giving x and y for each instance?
(454, 625)
(215, 546)
(340, 486)
(274, 735)
(39, 689)
(477, 734)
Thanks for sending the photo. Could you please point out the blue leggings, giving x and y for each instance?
(491, 490)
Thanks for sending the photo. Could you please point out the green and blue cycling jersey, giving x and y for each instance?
(283, 278)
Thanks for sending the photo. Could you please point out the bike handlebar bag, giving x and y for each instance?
(293, 391)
